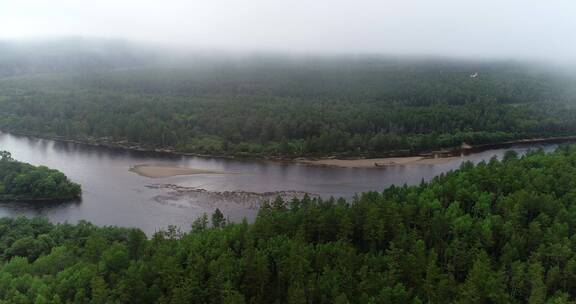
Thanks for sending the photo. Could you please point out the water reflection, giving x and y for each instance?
(35, 208)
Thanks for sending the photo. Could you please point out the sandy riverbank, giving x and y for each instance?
(157, 171)
(378, 162)
(344, 163)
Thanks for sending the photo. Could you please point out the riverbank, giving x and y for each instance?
(388, 159)
(40, 200)
(377, 162)
(430, 158)
(105, 142)
(157, 171)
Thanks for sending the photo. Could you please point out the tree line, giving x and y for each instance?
(343, 107)
(495, 232)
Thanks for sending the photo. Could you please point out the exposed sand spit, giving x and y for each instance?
(378, 162)
(158, 171)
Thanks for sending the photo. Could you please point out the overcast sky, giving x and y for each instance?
(541, 29)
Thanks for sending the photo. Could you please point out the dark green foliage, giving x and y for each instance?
(218, 219)
(305, 107)
(21, 181)
(497, 232)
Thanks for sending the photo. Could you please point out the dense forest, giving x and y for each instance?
(21, 181)
(495, 232)
(281, 105)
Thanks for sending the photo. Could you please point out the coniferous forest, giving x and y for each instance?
(495, 232)
(280, 105)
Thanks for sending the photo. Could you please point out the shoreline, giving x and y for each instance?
(40, 200)
(377, 163)
(388, 159)
(125, 145)
(431, 158)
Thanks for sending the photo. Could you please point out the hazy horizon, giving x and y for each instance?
(520, 30)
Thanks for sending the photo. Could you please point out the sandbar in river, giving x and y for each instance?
(158, 171)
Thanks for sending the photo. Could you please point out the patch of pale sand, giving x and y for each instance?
(434, 161)
(378, 162)
(158, 171)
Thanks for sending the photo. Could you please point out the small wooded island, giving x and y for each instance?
(23, 182)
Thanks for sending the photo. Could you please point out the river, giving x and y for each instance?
(112, 195)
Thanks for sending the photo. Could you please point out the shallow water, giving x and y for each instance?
(112, 195)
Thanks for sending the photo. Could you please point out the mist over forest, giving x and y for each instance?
(287, 152)
(280, 105)
(81, 54)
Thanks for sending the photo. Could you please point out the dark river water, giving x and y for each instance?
(112, 195)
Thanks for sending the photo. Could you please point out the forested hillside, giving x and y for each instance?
(497, 232)
(288, 106)
(22, 181)
(68, 55)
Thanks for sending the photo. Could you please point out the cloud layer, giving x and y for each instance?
(487, 28)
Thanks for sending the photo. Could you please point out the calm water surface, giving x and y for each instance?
(112, 195)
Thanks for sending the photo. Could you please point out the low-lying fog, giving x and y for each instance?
(490, 29)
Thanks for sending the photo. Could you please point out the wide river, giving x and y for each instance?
(113, 195)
